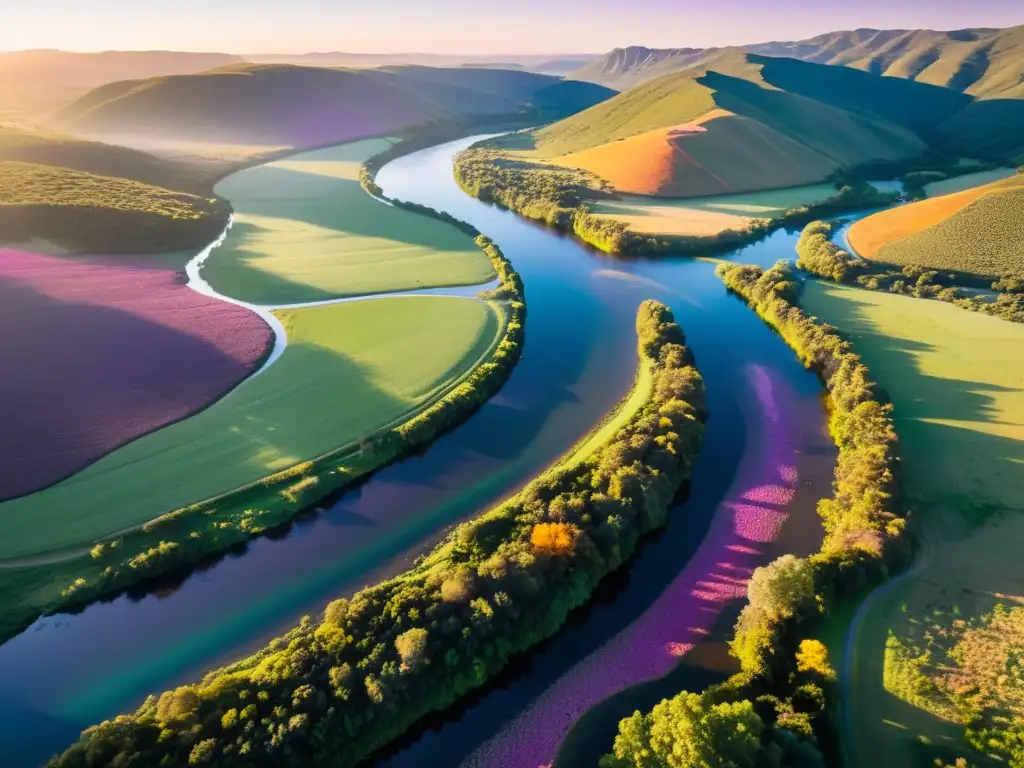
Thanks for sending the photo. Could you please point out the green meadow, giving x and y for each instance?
(968, 180)
(956, 380)
(305, 231)
(349, 369)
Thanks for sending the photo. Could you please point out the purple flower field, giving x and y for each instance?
(98, 352)
(742, 530)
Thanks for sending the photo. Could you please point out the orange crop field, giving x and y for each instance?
(868, 236)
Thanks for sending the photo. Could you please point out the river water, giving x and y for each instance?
(765, 460)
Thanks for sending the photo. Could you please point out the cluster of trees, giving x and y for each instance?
(817, 254)
(775, 711)
(970, 672)
(332, 691)
(179, 538)
(558, 197)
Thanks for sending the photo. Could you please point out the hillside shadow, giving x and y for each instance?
(81, 380)
(946, 460)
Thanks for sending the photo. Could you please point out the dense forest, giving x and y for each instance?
(817, 254)
(776, 711)
(333, 690)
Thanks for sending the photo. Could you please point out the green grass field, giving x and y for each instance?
(957, 382)
(305, 230)
(349, 369)
(708, 215)
(960, 183)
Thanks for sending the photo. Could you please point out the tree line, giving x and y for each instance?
(819, 255)
(559, 197)
(336, 688)
(775, 711)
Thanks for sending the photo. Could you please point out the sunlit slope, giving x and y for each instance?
(980, 231)
(987, 63)
(305, 230)
(88, 196)
(349, 369)
(284, 105)
(681, 135)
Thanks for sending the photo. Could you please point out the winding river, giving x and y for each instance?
(766, 459)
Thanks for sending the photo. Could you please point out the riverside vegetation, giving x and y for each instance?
(776, 710)
(182, 537)
(561, 198)
(820, 256)
(332, 691)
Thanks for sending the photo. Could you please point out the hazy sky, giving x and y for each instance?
(463, 26)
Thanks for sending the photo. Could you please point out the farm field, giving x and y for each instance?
(105, 350)
(957, 382)
(305, 231)
(978, 230)
(708, 215)
(349, 369)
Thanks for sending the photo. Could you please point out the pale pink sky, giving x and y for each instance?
(463, 26)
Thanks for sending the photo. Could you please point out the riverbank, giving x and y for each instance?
(539, 555)
(189, 535)
(782, 668)
(563, 199)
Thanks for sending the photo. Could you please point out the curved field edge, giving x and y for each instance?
(783, 700)
(305, 231)
(879, 236)
(176, 353)
(495, 586)
(70, 580)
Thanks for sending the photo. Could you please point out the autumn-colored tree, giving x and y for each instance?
(813, 657)
(554, 538)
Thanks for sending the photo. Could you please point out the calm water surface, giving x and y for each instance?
(69, 671)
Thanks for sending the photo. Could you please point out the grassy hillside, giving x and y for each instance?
(987, 63)
(980, 231)
(306, 106)
(35, 81)
(87, 196)
(763, 125)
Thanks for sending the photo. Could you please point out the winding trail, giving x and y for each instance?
(922, 561)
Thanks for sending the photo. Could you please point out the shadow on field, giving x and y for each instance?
(947, 460)
(339, 206)
(82, 379)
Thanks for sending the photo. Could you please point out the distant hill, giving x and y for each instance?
(987, 63)
(285, 105)
(88, 196)
(35, 81)
(769, 123)
(549, 64)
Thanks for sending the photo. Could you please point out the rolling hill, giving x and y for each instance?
(987, 63)
(284, 105)
(978, 231)
(32, 82)
(87, 196)
(770, 123)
